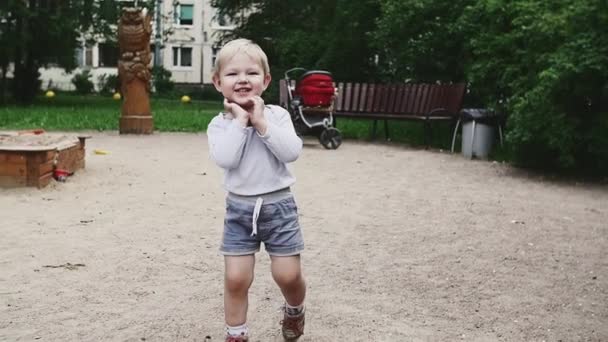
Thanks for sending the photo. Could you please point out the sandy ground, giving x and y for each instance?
(402, 245)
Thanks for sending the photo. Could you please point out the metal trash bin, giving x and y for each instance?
(478, 132)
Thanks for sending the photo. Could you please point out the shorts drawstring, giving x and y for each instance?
(256, 214)
(268, 198)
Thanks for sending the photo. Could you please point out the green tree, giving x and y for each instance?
(317, 34)
(37, 33)
(7, 42)
(41, 32)
(421, 40)
(547, 63)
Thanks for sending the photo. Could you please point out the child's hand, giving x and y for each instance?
(237, 111)
(257, 115)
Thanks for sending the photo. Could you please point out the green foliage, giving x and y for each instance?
(317, 34)
(552, 59)
(204, 93)
(108, 83)
(421, 40)
(82, 82)
(545, 63)
(38, 33)
(161, 78)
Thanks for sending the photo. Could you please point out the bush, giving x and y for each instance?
(161, 79)
(199, 92)
(83, 83)
(545, 63)
(108, 83)
(553, 59)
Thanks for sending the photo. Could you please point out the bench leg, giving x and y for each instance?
(454, 135)
(374, 126)
(473, 139)
(500, 134)
(386, 130)
(427, 133)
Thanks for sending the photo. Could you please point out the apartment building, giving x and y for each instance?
(188, 47)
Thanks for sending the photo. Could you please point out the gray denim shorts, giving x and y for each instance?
(277, 227)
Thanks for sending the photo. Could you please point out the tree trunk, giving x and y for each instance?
(25, 80)
(26, 83)
(3, 85)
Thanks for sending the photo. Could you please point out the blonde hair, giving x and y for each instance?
(240, 45)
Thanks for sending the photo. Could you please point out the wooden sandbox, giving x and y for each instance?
(28, 159)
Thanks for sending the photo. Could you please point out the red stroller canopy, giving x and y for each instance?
(316, 88)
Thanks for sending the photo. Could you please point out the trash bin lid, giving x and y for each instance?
(479, 115)
(476, 113)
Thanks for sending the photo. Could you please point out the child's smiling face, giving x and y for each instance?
(240, 79)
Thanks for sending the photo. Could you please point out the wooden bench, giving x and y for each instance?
(426, 103)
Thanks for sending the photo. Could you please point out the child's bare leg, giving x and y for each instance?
(238, 276)
(287, 273)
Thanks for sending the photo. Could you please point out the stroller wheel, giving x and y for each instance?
(330, 138)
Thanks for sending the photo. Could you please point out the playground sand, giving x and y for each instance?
(403, 244)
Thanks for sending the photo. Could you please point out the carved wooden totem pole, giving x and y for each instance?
(134, 71)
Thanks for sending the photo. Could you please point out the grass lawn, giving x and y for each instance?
(69, 112)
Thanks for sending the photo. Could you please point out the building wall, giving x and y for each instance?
(211, 32)
(202, 37)
(57, 78)
(185, 37)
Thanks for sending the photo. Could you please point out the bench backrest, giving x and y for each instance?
(405, 98)
(413, 99)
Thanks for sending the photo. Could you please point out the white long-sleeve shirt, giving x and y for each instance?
(255, 164)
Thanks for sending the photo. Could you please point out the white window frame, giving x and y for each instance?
(179, 57)
(178, 11)
(214, 51)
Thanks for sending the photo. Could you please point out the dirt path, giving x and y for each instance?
(402, 245)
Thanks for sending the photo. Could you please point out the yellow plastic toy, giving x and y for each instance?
(49, 94)
(102, 152)
(185, 99)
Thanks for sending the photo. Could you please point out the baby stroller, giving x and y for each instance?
(310, 103)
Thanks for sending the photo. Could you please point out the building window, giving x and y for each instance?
(153, 55)
(214, 52)
(182, 56)
(79, 56)
(108, 55)
(88, 57)
(184, 14)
